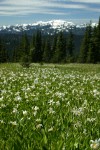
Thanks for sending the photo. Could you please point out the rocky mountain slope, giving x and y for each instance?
(49, 27)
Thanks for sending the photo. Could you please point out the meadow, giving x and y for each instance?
(50, 107)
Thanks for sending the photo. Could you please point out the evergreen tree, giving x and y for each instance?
(91, 52)
(93, 55)
(3, 52)
(97, 42)
(53, 48)
(60, 52)
(84, 51)
(70, 47)
(25, 46)
(32, 49)
(14, 55)
(47, 51)
(37, 50)
(24, 52)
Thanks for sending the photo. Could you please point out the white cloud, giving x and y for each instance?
(20, 2)
(24, 12)
(94, 9)
(86, 1)
(25, 7)
(11, 7)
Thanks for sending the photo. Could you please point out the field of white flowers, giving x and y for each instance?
(50, 107)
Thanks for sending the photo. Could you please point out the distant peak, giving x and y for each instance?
(50, 27)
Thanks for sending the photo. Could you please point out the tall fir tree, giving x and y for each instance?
(25, 45)
(97, 44)
(70, 47)
(37, 50)
(32, 48)
(84, 51)
(60, 52)
(53, 48)
(47, 51)
(3, 52)
(91, 52)
(24, 52)
(93, 55)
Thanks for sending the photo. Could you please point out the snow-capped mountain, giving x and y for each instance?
(49, 27)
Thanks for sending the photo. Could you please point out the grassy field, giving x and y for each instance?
(50, 107)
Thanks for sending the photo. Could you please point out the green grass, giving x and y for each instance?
(49, 107)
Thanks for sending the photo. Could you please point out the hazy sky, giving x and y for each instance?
(29, 11)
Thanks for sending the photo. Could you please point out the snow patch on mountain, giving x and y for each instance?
(51, 27)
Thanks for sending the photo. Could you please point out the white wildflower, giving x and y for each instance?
(68, 103)
(3, 105)
(95, 144)
(1, 99)
(77, 125)
(36, 108)
(24, 112)
(51, 111)
(14, 110)
(51, 102)
(39, 126)
(34, 113)
(38, 120)
(59, 94)
(14, 123)
(57, 103)
(18, 98)
(78, 111)
(51, 129)
(76, 145)
(84, 131)
(85, 103)
(91, 119)
(36, 99)
(96, 92)
(36, 81)
(1, 121)
(98, 111)
(81, 92)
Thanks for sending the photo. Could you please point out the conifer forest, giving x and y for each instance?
(57, 48)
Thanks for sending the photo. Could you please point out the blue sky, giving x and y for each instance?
(28, 11)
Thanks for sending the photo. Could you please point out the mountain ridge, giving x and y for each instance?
(47, 27)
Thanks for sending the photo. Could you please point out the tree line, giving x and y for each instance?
(55, 49)
(90, 48)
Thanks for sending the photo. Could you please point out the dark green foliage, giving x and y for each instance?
(24, 53)
(15, 45)
(91, 53)
(32, 48)
(37, 48)
(53, 48)
(60, 52)
(24, 46)
(47, 51)
(25, 61)
(11, 44)
(97, 44)
(70, 47)
(90, 48)
(3, 52)
(70, 44)
(16, 55)
(85, 45)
